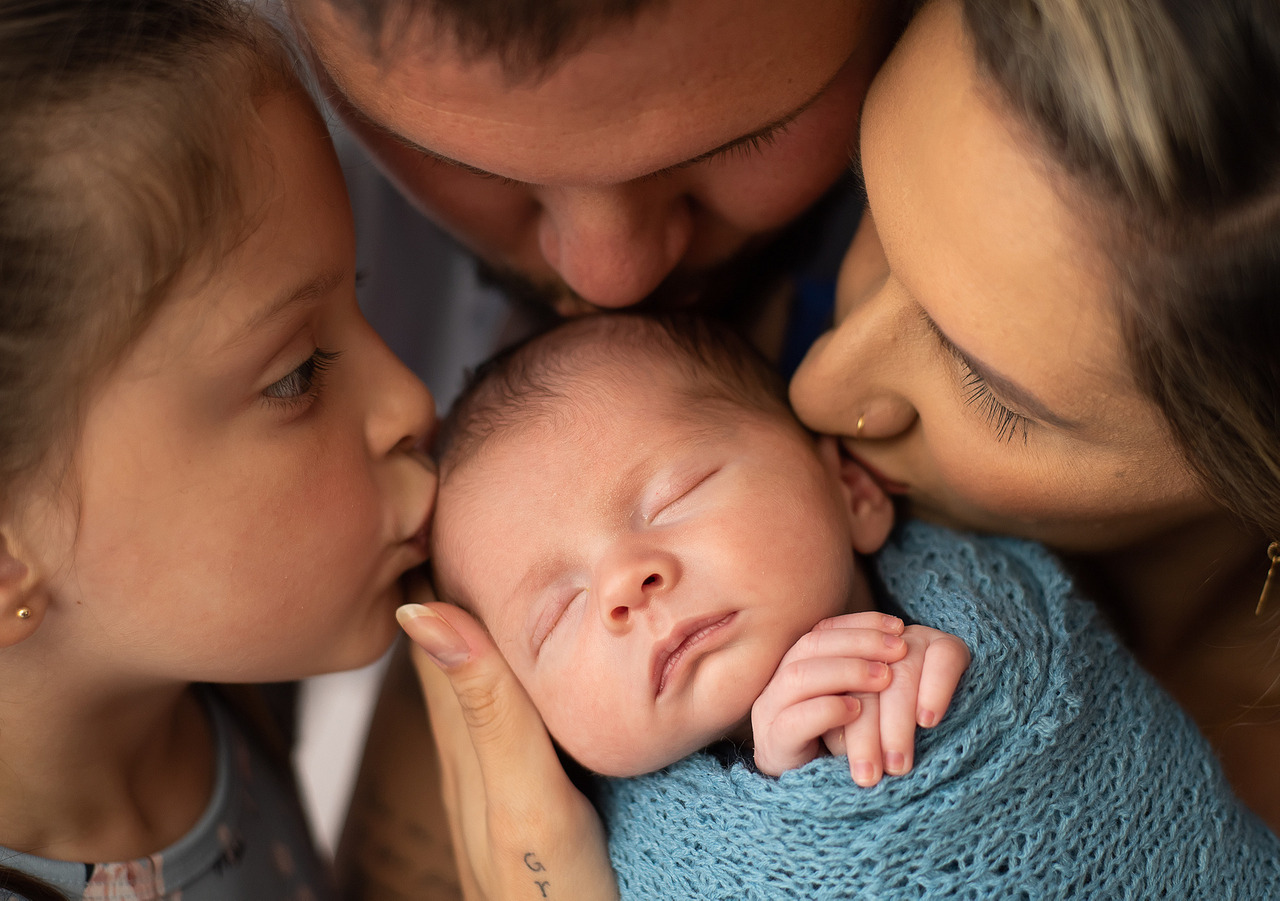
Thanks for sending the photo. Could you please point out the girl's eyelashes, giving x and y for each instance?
(304, 382)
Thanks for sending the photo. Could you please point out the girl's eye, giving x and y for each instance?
(305, 381)
(1006, 422)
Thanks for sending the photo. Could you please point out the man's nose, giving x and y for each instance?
(614, 245)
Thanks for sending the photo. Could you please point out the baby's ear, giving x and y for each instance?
(870, 510)
(22, 599)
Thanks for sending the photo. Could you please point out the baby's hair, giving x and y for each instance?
(531, 381)
(123, 122)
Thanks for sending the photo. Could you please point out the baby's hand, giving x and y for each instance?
(882, 739)
(821, 686)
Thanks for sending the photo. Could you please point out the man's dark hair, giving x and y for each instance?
(527, 36)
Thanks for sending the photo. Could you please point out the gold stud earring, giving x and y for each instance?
(857, 430)
(24, 613)
(1273, 551)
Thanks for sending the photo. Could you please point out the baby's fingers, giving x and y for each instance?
(813, 677)
(885, 646)
(791, 739)
(945, 661)
(862, 743)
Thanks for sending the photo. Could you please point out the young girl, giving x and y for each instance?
(211, 468)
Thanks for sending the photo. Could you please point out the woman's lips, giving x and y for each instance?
(889, 485)
(683, 639)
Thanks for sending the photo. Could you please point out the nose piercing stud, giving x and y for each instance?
(24, 613)
(857, 430)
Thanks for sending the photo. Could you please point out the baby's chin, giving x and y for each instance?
(635, 758)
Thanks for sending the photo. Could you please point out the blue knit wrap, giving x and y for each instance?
(1061, 771)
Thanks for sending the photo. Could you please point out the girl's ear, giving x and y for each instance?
(870, 510)
(22, 600)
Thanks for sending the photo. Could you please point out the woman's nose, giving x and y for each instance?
(614, 245)
(629, 580)
(857, 379)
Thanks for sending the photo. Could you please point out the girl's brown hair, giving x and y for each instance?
(1165, 115)
(120, 125)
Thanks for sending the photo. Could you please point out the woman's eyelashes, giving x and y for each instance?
(1006, 422)
(304, 382)
(978, 393)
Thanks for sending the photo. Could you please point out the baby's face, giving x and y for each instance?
(644, 566)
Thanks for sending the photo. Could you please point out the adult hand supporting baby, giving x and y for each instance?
(520, 828)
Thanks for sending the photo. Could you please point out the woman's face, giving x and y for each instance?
(976, 337)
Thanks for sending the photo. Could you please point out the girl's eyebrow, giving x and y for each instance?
(309, 290)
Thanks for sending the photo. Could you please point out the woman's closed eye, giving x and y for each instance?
(304, 382)
(978, 393)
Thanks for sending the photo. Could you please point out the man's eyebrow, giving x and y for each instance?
(1004, 386)
(760, 135)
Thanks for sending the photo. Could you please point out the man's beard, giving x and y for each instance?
(733, 291)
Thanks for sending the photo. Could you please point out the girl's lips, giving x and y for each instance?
(420, 540)
(888, 484)
(683, 639)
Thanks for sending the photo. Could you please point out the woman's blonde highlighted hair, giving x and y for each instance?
(1165, 117)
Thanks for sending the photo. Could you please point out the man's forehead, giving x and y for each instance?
(682, 79)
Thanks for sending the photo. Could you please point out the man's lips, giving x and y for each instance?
(684, 638)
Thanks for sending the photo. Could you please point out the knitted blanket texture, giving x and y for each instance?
(1061, 771)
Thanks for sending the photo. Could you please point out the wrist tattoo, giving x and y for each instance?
(531, 861)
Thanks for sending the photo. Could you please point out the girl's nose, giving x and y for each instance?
(629, 580)
(614, 245)
(402, 413)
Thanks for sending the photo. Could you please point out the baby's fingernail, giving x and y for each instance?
(895, 763)
(430, 632)
(892, 623)
(877, 670)
(926, 718)
(864, 773)
(891, 641)
(852, 704)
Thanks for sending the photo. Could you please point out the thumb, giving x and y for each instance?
(524, 816)
(505, 729)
